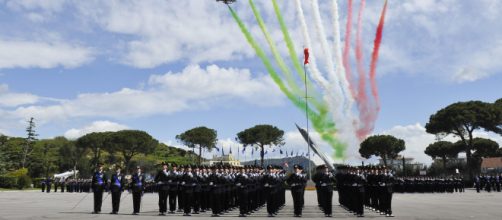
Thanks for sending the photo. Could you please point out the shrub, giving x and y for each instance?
(23, 181)
(8, 181)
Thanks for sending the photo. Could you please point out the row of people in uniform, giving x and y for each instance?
(365, 187)
(488, 182)
(428, 185)
(199, 188)
(68, 185)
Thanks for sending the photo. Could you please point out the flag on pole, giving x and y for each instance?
(280, 151)
(243, 149)
(306, 54)
(230, 150)
(222, 151)
(217, 149)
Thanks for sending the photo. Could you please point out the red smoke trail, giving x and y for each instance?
(374, 57)
(369, 117)
(346, 50)
(362, 100)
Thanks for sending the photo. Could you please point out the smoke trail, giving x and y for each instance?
(282, 65)
(316, 74)
(374, 57)
(361, 95)
(321, 123)
(330, 66)
(340, 70)
(329, 97)
(346, 49)
(293, 55)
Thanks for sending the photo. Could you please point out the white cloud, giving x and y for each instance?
(29, 54)
(168, 31)
(8, 99)
(97, 126)
(192, 89)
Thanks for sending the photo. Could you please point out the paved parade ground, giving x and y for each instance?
(37, 205)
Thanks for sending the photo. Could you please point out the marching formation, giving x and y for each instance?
(488, 183)
(219, 189)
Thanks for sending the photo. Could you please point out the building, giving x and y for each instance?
(224, 159)
(491, 164)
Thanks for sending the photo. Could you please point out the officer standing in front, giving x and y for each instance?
(137, 187)
(162, 182)
(98, 187)
(117, 183)
(325, 181)
(297, 181)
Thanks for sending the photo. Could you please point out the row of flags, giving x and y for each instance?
(281, 152)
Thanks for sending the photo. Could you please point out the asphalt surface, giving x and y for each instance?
(38, 205)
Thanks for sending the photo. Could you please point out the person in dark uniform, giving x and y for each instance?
(117, 183)
(180, 189)
(62, 183)
(98, 187)
(42, 183)
(188, 183)
(49, 184)
(325, 181)
(162, 180)
(172, 180)
(241, 181)
(137, 187)
(214, 180)
(197, 190)
(297, 181)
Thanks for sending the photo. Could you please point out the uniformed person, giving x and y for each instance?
(325, 181)
(117, 183)
(297, 181)
(162, 181)
(98, 187)
(172, 179)
(137, 188)
(242, 181)
(188, 183)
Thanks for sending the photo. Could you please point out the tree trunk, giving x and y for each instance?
(384, 158)
(262, 154)
(444, 165)
(200, 154)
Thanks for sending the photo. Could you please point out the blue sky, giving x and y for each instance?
(166, 66)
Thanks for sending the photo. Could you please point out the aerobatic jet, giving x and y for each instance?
(226, 1)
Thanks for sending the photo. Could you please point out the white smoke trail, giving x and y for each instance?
(333, 87)
(340, 71)
(316, 74)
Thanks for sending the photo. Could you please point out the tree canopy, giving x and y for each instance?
(130, 143)
(384, 146)
(261, 136)
(443, 150)
(201, 137)
(462, 119)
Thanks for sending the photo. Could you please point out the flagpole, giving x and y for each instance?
(307, 116)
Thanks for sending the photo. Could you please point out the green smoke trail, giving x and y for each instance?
(322, 122)
(282, 65)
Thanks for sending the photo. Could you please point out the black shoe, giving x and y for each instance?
(271, 215)
(242, 215)
(196, 213)
(171, 212)
(187, 214)
(360, 215)
(215, 215)
(134, 213)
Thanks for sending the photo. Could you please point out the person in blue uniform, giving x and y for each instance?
(137, 187)
(98, 187)
(117, 183)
